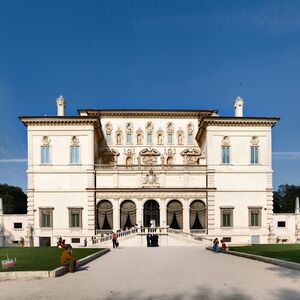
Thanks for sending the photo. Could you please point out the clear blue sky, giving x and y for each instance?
(150, 54)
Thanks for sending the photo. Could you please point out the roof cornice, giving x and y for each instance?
(42, 121)
(235, 121)
(57, 120)
(155, 113)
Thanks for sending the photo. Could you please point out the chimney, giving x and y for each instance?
(297, 209)
(61, 105)
(238, 105)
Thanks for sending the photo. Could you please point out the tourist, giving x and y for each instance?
(67, 259)
(148, 240)
(224, 246)
(216, 245)
(85, 242)
(114, 240)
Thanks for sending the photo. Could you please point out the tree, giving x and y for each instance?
(14, 199)
(285, 198)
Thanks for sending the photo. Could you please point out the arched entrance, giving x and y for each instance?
(174, 214)
(127, 214)
(151, 212)
(104, 215)
(197, 215)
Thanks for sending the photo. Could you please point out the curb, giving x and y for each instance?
(269, 260)
(50, 274)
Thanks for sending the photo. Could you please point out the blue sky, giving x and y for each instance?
(150, 54)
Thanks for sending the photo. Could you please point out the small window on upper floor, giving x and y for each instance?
(254, 155)
(190, 139)
(74, 155)
(45, 155)
(149, 138)
(225, 155)
(128, 138)
(170, 138)
(108, 138)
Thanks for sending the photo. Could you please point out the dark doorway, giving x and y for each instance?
(151, 212)
(104, 215)
(45, 241)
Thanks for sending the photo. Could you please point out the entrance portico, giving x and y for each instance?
(179, 210)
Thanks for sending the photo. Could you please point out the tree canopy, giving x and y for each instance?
(285, 198)
(14, 199)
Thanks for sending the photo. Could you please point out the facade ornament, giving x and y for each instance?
(170, 127)
(226, 141)
(149, 126)
(254, 140)
(139, 137)
(128, 127)
(74, 141)
(119, 137)
(190, 128)
(160, 137)
(108, 127)
(151, 179)
(46, 141)
(180, 137)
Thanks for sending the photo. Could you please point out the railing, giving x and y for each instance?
(107, 234)
(192, 236)
(106, 167)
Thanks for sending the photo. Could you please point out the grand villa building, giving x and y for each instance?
(193, 171)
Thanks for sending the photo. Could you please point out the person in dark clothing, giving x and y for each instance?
(148, 240)
(114, 240)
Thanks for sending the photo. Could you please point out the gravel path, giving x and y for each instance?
(163, 274)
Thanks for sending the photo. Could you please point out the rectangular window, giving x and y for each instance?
(75, 240)
(190, 139)
(149, 138)
(108, 138)
(254, 217)
(254, 155)
(128, 138)
(17, 225)
(75, 217)
(170, 138)
(226, 217)
(225, 155)
(45, 155)
(46, 218)
(74, 155)
(281, 224)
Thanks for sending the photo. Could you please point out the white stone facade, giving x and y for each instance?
(199, 170)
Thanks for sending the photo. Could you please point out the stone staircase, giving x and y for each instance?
(168, 237)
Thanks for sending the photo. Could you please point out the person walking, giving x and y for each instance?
(114, 240)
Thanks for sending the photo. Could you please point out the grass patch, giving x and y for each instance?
(288, 252)
(40, 258)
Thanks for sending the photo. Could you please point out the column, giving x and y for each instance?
(116, 216)
(139, 212)
(186, 215)
(163, 213)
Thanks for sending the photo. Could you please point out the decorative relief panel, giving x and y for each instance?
(108, 127)
(74, 141)
(226, 141)
(254, 140)
(46, 141)
(151, 179)
(149, 126)
(170, 127)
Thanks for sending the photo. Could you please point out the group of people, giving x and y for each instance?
(219, 246)
(61, 243)
(152, 240)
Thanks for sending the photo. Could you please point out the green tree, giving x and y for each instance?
(285, 198)
(14, 199)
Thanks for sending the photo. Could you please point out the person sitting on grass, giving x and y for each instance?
(67, 259)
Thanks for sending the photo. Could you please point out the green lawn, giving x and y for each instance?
(289, 252)
(40, 258)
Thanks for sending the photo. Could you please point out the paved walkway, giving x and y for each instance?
(163, 274)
